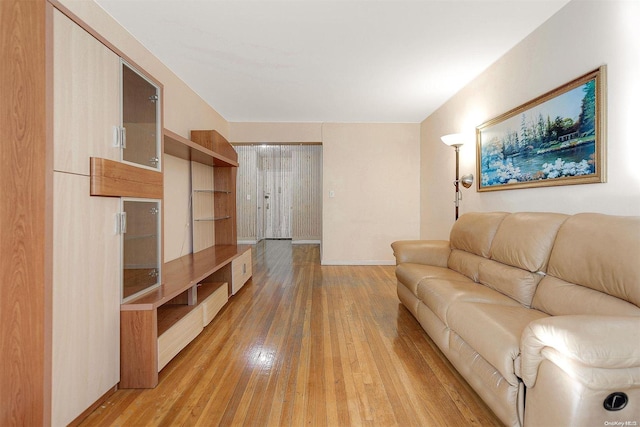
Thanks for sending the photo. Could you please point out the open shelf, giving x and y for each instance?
(178, 146)
(182, 273)
(157, 325)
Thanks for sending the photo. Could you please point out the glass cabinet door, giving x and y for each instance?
(140, 139)
(140, 246)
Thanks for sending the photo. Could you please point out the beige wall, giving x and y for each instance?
(578, 39)
(373, 171)
(276, 133)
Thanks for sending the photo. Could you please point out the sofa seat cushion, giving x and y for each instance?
(438, 294)
(410, 274)
(494, 331)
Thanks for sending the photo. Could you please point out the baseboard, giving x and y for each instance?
(80, 418)
(357, 262)
(305, 242)
(247, 242)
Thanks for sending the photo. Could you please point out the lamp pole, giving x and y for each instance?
(456, 183)
(456, 140)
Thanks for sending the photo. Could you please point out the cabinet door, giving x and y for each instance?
(86, 92)
(241, 271)
(140, 247)
(140, 119)
(86, 297)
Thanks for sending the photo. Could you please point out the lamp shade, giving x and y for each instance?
(454, 139)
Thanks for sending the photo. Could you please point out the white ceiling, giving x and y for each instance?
(329, 61)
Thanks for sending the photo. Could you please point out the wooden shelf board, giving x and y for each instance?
(207, 289)
(178, 146)
(115, 179)
(170, 314)
(184, 272)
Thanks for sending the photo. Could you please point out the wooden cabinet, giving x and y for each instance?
(103, 107)
(87, 254)
(86, 248)
(86, 93)
(86, 297)
(241, 271)
(157, 325)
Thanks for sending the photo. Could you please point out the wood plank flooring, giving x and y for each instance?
(305, 344)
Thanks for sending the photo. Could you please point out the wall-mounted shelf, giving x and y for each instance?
(178, 146)
(220, 218)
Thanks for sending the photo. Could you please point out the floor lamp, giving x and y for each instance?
(456, 140)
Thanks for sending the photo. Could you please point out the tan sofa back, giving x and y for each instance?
(470, 241)
(594, 267)
(519, 254)
(505, 252)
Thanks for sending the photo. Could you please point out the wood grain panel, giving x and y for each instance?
(115, 179)
(179, 335)
(240, 271)
(138, 349)
(212, 140)
(306, 344)
(226, 232)
(86, 297)
(86, 87)
(185, 149)
(185, 272)
(25, 228)
(217, 297)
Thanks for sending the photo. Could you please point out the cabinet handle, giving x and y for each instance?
(120, 136)
(121, 223)
(123, 131)
(116, 136)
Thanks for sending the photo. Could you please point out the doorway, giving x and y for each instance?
(279, 192)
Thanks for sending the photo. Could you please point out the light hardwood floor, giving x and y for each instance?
(305, 344)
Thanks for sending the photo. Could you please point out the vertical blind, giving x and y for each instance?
(279, 192)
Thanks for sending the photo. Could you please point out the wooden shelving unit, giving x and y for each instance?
(158, 324)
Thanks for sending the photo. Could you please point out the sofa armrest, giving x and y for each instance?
(428, 252)
(598, 351)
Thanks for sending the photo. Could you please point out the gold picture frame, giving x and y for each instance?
(555, 139)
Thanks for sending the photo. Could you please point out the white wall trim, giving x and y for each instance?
(305, 242)
(357, 262)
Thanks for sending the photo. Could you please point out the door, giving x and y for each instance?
(275, 177)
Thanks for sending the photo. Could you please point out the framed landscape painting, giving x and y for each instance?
(555, 139)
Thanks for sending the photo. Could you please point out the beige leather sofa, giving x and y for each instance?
(539, 312)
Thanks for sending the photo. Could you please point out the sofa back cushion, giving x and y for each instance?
(558, 298)
(599, 252)
(511, 281)
(525, 239)
(473, 232)
(465, 263)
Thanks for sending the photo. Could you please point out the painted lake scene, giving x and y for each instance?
(542, 143)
